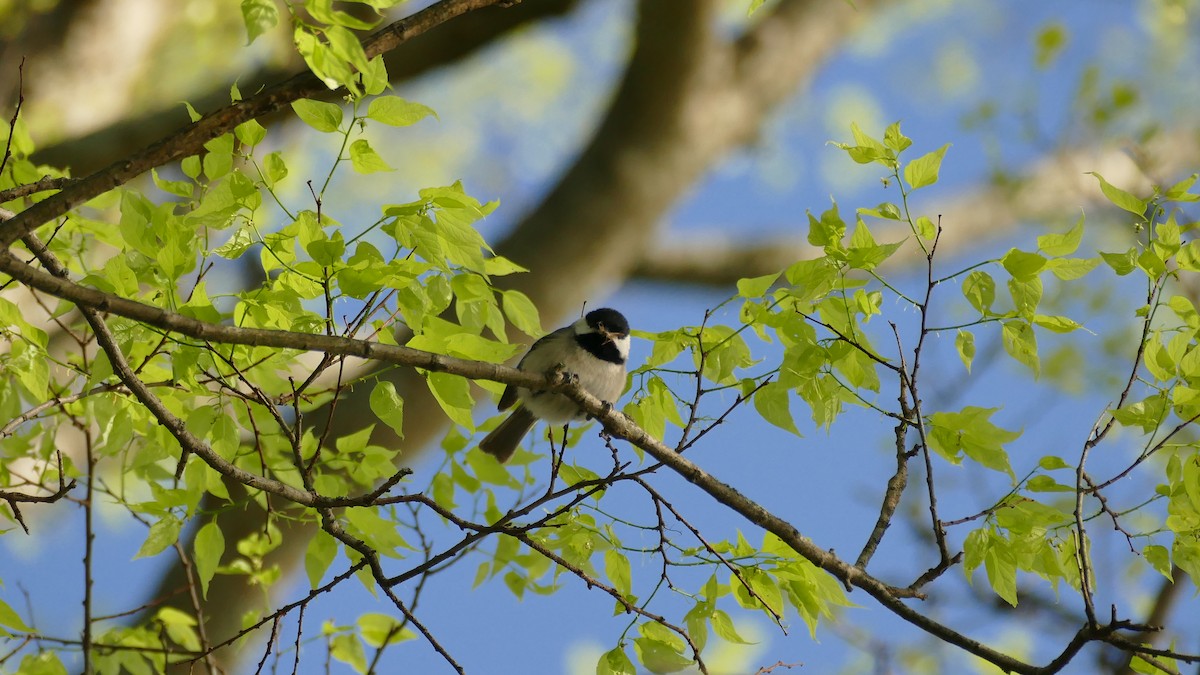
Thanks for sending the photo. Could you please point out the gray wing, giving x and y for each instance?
(509, 397)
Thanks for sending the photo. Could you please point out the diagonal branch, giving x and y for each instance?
(190, 140)
(446, 46)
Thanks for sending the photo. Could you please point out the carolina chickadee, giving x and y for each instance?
(593, 349)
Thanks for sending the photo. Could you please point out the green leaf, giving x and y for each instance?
(1160, 559)
(190, 166)
(250, 132)
(1058, 324)
(971, 432)
(453, 394)
(1147, 414)
(926, 228)
(980, 290)
(388, 406)
(327, 251)
(43, 663)
(1053, 463)
(191, 111)
(755, 287)
(766, 591)
(1151, 264)
(1001, 566)
(1047, 484)
(964, 342)
(1122, 263)
(163, 534)
(866, 149)
(274, 169)
(724, 628)
(894, 139)
(259, 17)
(10, 618)
(522, 313)
(239, 243)
(218, 161)
(365, 159)
(1057, 245)
(1026, 296)
(380, 630)
(1021, 344)
(863, 253)
(1121, 198)
(1179, 191)
(615, 662)
(1069, 269)
(322, 116)
(374, 76)
(660, 657)
(179, 188)
(207, 548)
(318, 556)
(828, 230)
(1158, 360)
(397, 112)
(773, 403)
(1023, 265)
(616, 568)
(923, 170)
(348, 649)
(180, 627)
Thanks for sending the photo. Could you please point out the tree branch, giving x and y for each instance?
(190, 140)
(418, 56)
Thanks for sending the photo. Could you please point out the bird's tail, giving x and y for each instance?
(502, 442)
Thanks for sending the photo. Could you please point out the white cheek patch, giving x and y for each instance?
(622, 347)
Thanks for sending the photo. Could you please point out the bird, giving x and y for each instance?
(593, 349)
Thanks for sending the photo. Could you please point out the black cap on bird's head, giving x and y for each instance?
(608, 321)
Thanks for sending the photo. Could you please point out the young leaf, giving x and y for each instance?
(1021, 344)
(1122, 263)
(522, 313)
(894, 139)
(616, 568)
(365, 159)
(259, 16)
(772, 401)
(319, 555)
(1057, 245)
(10, 618)
(1023, 265)
(388, 406)
(923, 170)
(964, 342)
(1001, 565)
(615, 662)
(1058, 324)
(207, 548)
(971, 432)
(380, 630)
(755, 287)
(980, 290)
(322, 116)
(162, 534)
(1121, 198)
(348, 649)
(659, 657)
(724, 628)
(397, 112)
